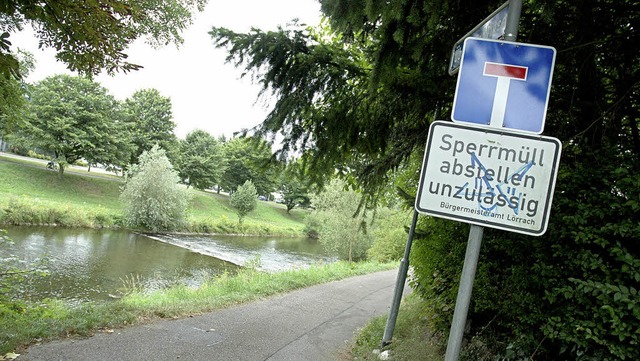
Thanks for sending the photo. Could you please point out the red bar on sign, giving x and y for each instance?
(504, 70)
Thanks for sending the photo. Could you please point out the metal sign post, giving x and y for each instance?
(475, 236)
(402, 277)
(464, 293)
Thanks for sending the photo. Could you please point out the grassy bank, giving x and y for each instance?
(21, 325)
(412, 337)
(30, 194)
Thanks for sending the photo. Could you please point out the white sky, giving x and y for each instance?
(205, 92)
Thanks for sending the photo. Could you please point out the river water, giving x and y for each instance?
(103, 264)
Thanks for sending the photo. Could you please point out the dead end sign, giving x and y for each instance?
(489, 177)
(504, 84)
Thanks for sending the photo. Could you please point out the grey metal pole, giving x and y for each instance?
(399, 289)
(464, 293)
(513, 19)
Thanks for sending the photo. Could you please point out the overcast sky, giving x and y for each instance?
(205, 92)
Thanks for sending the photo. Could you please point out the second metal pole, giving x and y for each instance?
(402, 276)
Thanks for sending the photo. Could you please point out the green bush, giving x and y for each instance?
(571, 294)
(312, 227)
(389, 235)
(436, 258)
(30, 211)
(244, 200)
(81, 163)
(152, 198)
(340, 230)
(33, 154)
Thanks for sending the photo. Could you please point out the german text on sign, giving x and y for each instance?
(489, 177)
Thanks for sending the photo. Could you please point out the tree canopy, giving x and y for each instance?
(150, 119)
(93, 35)
(201, 160)
(12, 93)
(73, 117)
(249, 159)
(293, 186)
(358, 93)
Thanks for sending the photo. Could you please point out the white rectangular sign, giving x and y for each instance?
(489, 177)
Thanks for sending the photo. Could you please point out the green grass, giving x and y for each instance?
(22, 324)
(31, 194)
(20, 180)
(412, 336)
(267, 218)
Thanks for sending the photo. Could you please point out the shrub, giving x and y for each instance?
(244, 200)
(340, 230)
(389, 235)
(152, 198)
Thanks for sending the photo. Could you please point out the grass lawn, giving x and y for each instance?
(25, 180)
(29, 186)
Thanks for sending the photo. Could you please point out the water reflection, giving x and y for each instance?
(92, 264)
(97, 264)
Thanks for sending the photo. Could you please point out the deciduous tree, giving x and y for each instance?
(74, 117)
(244, 200)
(150, 120)
(13, 93)
(201, 161)
(249, 159)
(294, 187)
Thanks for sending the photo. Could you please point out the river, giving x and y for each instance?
(88, 265)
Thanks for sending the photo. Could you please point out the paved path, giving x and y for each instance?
(309, 324)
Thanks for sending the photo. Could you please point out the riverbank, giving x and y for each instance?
(30, 194)
(22, 324)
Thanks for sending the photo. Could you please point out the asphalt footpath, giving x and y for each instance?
(314, 323)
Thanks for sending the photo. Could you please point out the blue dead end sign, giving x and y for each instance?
(504, 84)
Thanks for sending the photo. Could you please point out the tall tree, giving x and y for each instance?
(359, 94)
(294, 187)
(72, 118)
(93, 35)
(249, 159)
(150, 119)
(201, 160)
